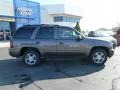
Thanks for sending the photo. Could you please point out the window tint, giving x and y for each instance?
(45, 33)
(66, 33)
(24, 33)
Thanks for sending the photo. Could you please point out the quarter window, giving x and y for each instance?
(24, 33)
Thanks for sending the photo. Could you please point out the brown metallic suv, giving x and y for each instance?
(35, 41)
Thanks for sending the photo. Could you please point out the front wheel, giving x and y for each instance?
(98, 56)
(31, 58)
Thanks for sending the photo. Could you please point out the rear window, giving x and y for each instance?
(24, 33)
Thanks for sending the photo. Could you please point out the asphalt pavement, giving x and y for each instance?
(59, 75)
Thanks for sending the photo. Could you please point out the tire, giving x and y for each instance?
(31, 58)
(98, 57)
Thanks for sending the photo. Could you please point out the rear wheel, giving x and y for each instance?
(31, 58)
(98, 57)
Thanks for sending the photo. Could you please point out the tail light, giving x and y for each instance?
(11, 44)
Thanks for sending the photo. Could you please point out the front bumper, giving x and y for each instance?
(114, 45)
(111, 52)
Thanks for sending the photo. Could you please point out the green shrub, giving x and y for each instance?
(77, 27)
(118, 31)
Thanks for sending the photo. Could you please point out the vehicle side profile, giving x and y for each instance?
(31, 42)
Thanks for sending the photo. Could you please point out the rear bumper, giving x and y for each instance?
(13, 52)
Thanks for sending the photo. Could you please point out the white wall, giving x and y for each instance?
(6, 7)
(49, 11)
(63, 9)
(54, 9)
(76, 11)
(66, 24)
(45, 17)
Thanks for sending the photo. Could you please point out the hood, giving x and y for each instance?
(110, 39)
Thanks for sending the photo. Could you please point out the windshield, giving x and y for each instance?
(80, 33)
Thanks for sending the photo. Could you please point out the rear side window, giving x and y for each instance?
(24, 33)
(45, 33)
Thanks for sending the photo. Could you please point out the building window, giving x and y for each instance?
(6, 29)
(58, 19)
(66, 19)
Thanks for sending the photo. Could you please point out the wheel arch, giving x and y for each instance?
(24, 49)
(100, 47)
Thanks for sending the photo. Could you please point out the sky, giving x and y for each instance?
(96, 13)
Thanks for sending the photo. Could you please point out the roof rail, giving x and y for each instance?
(42, 25)
(49, 25)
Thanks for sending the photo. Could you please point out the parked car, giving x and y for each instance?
(104, 35)
(111, 33)
(31, 42)
(117, 36)
(6, 33)
(1, 35)
(1, 38)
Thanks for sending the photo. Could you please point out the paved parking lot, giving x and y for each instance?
(59, 75)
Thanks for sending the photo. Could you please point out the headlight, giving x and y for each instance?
(114, 42)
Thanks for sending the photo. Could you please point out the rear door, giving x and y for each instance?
(45, 40)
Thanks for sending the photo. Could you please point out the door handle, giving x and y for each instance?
(61, 43)
(37, 42)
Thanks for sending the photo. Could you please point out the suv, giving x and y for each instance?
(31, 42)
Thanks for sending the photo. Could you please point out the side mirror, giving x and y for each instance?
(79, 38)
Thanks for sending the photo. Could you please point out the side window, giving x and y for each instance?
(66, 33)
(45, 33)
(24, 33)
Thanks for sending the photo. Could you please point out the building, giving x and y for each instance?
(60, 14)
(7, 20)
(16, 13)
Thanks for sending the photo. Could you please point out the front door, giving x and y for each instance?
(67, 43)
